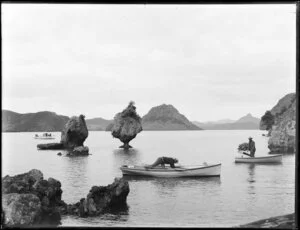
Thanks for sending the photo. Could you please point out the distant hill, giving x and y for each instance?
(246, 122)
(98, 124)
(166, 117)
(32, 122)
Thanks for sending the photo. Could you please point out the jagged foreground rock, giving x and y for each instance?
(101, 199)
(73, 136)
(29, 200)
(283, 131)
(127, 125)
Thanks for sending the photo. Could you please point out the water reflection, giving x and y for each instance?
(126, 157)
(173, 182)
(251, 172)
(251, 179)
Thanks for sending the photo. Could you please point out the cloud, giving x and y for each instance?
(99, 55)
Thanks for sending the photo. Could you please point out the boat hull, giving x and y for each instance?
(44, 138)
(265, 159)
(200, 171)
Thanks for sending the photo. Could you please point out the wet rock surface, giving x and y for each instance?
(280, 222)
(101, 199)
(127, 125)
(79, 151)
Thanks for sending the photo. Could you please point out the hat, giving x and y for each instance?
(250, 138)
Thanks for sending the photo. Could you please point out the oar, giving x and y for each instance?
(247, 154)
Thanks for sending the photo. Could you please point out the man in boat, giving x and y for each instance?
(252, 148)
(164, 160)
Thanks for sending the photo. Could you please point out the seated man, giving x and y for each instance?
(162, 161)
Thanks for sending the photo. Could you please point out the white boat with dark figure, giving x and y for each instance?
(204, 170)
(45, 136)
(246, 158)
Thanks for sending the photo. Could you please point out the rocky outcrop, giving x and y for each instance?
(279, 222)
(79, 151)
(21, 209)
(283, 131)
(166, 117)
(50, 146)
(73, 136)
(101, 199)
(31, 200)
(75, 132)
(127, 125)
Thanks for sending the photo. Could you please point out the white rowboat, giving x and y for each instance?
(192, 171)
(260, 159)
(44, 138)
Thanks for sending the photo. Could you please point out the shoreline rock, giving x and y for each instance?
(282, 222)
(38, 199)
(283, 132)
(30, 200)
(101, 199)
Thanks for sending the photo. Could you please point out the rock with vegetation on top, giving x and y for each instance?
(127, 125)
(283, 131)
(32, 183)
(101, 199)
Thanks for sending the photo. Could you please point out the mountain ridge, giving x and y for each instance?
(246, 122)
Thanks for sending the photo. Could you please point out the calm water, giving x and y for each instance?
(242, 194)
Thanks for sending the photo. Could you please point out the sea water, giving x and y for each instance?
(243, 193)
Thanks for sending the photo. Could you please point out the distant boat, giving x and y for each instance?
(183, 171)
(276, 158)
(44, 136)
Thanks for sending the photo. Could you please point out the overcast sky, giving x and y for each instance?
(210, 61)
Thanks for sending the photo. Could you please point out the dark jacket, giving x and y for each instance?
(168, 160)
(252, 146)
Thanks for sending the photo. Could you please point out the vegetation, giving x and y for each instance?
(243, 147)
(268, 120)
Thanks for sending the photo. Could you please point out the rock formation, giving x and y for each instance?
(282, 133)
(21, 209)
(28, 199)
(74, 133)
(72, 137)
(127, 125)
(101, 199)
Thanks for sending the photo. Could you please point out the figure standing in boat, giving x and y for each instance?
(252, 148)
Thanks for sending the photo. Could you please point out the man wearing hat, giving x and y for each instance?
(162, 161)
(252, 148)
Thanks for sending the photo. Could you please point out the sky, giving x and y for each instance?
(211, 62)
